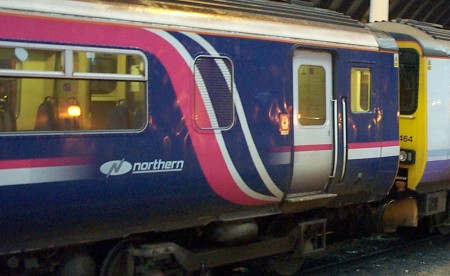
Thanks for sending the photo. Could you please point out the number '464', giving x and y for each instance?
(406, 138)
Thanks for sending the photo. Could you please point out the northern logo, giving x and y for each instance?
(120, 167)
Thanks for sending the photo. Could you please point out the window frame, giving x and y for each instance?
(69, 73)
(415, 95)
(359, 110)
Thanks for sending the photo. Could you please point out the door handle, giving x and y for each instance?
(336, 138)
(344, 138)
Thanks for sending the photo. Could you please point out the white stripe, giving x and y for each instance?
(376, 152)
(283, 158)
(243, 120)
(218, 134)
(280, 158)
(438, 158)
(44, 174)
(364, 153)
(390, 151)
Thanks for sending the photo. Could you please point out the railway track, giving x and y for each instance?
(364, 253)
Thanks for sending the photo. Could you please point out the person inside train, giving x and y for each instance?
(119, 116)
(46, 117)
(7, 118)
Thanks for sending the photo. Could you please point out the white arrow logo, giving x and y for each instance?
(116, 167)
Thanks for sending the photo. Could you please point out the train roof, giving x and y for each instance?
(433, 38)
(258, 18)
(299, 10)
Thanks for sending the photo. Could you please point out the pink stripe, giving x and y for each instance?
(302, 148)
(206, 146)
(330, 146)
(394, 143)
(79, 32)
(313, 147)
(43, 162)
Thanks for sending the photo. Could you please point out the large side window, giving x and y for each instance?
(311, 95)
(213, 98)
(409, 81)
(360, 89)
(51, 88)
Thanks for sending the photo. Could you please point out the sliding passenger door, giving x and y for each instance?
(313, 127)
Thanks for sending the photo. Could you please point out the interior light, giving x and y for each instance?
(21, 54)
(74, 111)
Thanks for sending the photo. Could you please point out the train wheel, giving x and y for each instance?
(285, 264)
(116, 261)
(133, 256)
(77, 263)
(288, 264)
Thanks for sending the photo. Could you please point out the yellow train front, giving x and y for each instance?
(424, 172)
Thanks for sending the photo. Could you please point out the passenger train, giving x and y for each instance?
(179, 136)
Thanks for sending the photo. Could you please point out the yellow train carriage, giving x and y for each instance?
(424, 68)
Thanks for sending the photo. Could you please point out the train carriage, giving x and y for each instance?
(424, 103)
(170, 118)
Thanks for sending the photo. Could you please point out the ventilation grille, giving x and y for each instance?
(213, 78)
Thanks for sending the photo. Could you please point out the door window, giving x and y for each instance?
(360, 89)
(409, 81)
(311, 95)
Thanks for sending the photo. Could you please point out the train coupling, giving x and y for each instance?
(395, 213)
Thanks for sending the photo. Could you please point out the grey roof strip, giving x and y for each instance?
(434, 30)
(296, 10)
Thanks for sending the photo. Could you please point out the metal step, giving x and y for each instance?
(300, 197)
(301, 202)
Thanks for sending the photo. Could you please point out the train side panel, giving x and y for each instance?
(413, 125)
(424, 91)
(117, 182)
(438, 87)
(423, 178)
(372, 124)
(159, 129)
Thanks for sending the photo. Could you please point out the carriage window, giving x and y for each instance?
(24, 59)
(360, 89)
(106, 63)
(409, 81)
(85, 94)
(311, 95)
(213, 98)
